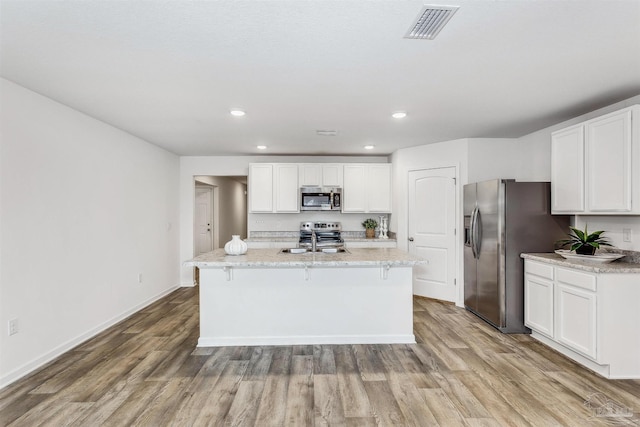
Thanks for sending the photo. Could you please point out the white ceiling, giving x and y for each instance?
(169, 71)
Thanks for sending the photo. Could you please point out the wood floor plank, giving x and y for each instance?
(219, 399)
(355, 401)
(147, 370)
(368, 363)
(300, 400)
(244, 409)
(327, 401)
(273, 403)
(464, 401)
(384, 406)
(495, 403)
(442, 408)
(446, 355)
(324, 361)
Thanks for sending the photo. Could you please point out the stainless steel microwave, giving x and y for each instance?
(320, 199)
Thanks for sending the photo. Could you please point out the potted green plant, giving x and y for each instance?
(583, 242)
(370, 225)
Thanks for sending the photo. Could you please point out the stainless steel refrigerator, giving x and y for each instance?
(502, 219)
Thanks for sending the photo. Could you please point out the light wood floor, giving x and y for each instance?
(147, 371)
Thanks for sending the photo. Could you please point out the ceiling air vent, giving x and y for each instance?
(430, 22)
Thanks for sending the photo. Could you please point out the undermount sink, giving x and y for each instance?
(318, 250)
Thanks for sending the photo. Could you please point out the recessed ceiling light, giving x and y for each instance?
(369, 147)
(237, 112)
(399, 115)
(261, 147)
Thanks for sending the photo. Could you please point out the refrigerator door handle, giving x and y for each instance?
(477, 233)
(472, 232)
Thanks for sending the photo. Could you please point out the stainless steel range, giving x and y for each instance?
(320, 235)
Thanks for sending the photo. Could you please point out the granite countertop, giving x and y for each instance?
(370, 257)
(612, 267)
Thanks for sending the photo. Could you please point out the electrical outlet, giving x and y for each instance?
(13, 326)
(626, 235)
(139, 277)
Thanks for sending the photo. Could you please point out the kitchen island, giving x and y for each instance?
(266, 297)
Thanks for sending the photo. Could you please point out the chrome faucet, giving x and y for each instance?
(314, 240)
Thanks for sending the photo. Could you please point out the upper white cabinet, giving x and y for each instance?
(321, 175)
(367, 188)
(567, 170)
(595, 165)
(273, 187)
(260, 187)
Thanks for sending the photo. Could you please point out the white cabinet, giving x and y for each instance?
(287, 189)
(273, 187)
(260, 187)
(538, 307)
(367, 188)
(321, 175)
(575, 301)
(567, 170)
(595, 165)
(591, 317)
(608, 163)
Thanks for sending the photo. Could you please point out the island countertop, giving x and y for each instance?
(273, 258)
(612, 267)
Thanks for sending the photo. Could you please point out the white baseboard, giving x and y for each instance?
(306, 340)
(38, 362)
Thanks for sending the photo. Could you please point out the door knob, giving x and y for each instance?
(411, 239)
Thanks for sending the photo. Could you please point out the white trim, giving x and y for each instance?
(39, 362)
(306, 340)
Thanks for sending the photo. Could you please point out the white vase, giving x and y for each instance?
(235, 246)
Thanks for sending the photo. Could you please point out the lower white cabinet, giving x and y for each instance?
(577, 322)
(591, 317)
(538, 310)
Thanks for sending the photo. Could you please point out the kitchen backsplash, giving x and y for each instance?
(614, 227)
(346, 234)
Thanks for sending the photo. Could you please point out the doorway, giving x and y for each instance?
(432, 231)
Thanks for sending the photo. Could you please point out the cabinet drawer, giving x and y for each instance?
(576, 278)
(542, 270)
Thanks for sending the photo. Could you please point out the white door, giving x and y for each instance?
(432, 231)
(203, 220)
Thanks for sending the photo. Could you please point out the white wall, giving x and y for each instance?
(85, 209)
(491, 158)
(232, 166)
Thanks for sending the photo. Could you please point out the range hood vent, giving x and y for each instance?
(430, 22)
